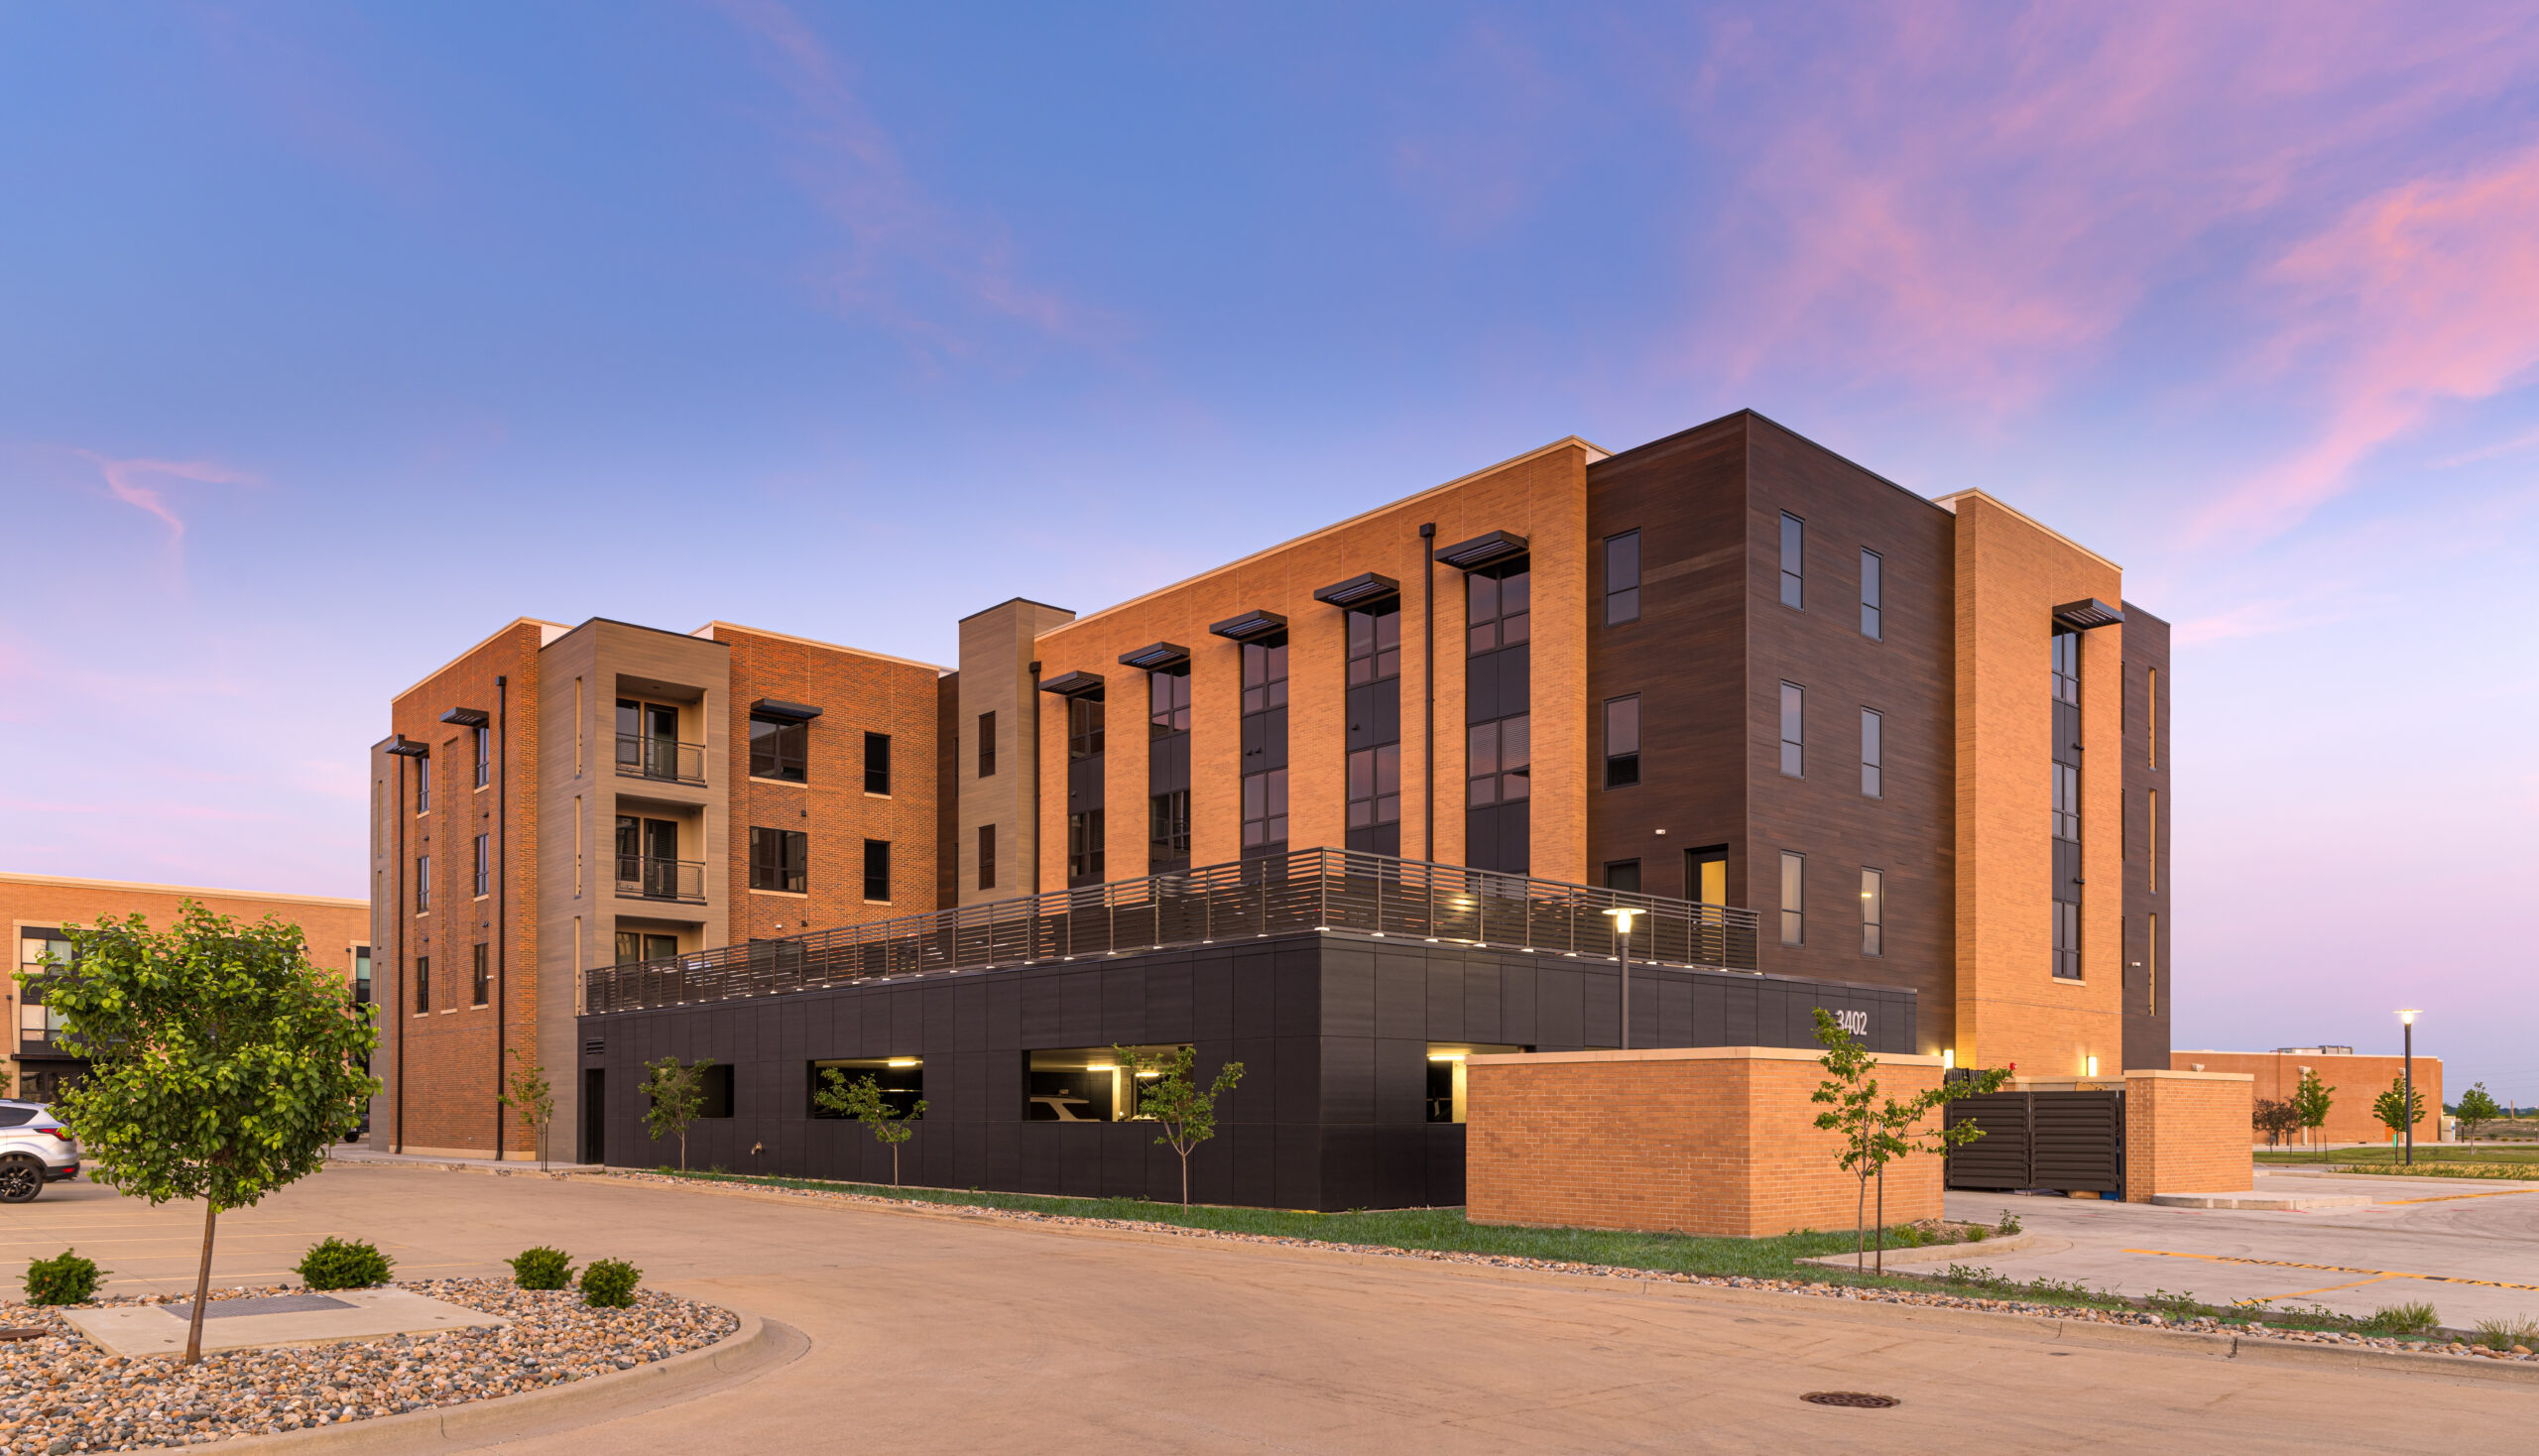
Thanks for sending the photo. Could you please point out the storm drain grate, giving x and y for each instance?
(1856, 1400)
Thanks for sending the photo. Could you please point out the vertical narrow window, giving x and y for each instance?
(1705, 875)
(1168, 770)
(877, 763)
(987, 744)
(1794, 899)
(1622, 875)
(423, 883)
(1793, 561)
(1167, 704)
(1168, 831)
(1265, 747)
(1085, 789)
(1621, 742)
(2151, 716)
(987, 856)
(1084, 847)
(1499, 762)
(581, 729)
(2064, 667)
(361, 975)
(876, 871)
(1873, 753)
(2151, 968)
(579, 845)
(1794, 729)
(2152, 828)
(482, 978)
(2067, 940)
(484, 756)
(1375, 789)
(484, 865)
(1873, 911)
(1373, 736)
(1622, 578)
(2067, 802)
(1872, 595)
(422, 783)
(1498, 716)
(422, 984)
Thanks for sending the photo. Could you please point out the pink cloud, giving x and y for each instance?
(129, 481)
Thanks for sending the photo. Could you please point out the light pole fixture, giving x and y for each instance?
(2407, 1109)
(1622, 915)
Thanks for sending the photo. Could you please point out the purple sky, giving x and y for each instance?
(321, 329)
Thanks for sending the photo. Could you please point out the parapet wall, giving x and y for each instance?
(2187, 1133)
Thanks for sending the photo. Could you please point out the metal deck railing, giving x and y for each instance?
(1298, 893)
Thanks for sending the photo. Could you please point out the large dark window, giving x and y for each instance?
(1085, 788)
(1084, 847)
(1873, 753)
(480, 984)
(1265, 746)
(1168, 770)
(780, 748)
(876, 871)
(1794, 729)
(1621, 742)
(649, 747)
(1622, 875)
(877, 763)
(1793, 561)
(1373, 742)
(1622, 578)
(1086, 1084)
(900, 1079)
(780, 859)
(987, 856)
(641, 945)
(1498, 717)
(987, 745)
(1872, 595)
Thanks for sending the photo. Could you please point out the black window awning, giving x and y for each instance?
(406, 748)
(1362, 591)
(773, 708)
(1249, 626)
(467, 717)
(2087, 613)
(1482, 550)
(1156, 657)
(1073, 684)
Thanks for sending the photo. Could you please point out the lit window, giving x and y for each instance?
(1794, 899)
(1873, 911)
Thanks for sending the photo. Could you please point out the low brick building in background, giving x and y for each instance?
(2358, 1082)
(39, 906)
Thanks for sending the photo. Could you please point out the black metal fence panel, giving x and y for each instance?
(2061, 1142)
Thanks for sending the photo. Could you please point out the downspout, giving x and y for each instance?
(1429, 677)
(502, 885)
(397, 917)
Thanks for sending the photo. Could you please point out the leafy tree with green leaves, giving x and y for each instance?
(529, 1095)
(2395, 1109)
(2312, 1099)
(222, 1063)
(2475, 1108)
(674, 1095)
(868, 1104)
(1169, 1095)
(1874, 1132)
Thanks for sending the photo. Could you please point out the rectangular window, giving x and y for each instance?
(1705, 875)
(1794, 899)
(2066, 668)
(1873, 911)
(900, 1079)
(2067, 940)
(1375, 646)
(780, 748)
(422, 884)
(480, 984)
(780, 859)
(1265, 746)
(2067, 801)
(361, 975)
(1168, 827)
(715, 1082)
(1264, 808)
(579, 845)
(876, 871)
(423, 783)
(1498, 605)
(1084, 727)
(1087, 1084)
(1167, 704)
(877, 763)
(1375, 786)
(1264, 674)
(1794, 729)
(636, 945)
(987, 856)
(1793, 561)
(987, 745)
(2152, 828)
(1872, 595)
(2151, 715)
(2151, 969)
(1084, 846)
(484, 756)
(1500, 761)
(1873, 753)
(1622, 875)
(484, 865)
(422, 984)
(1621, 742)
(578, 729)
(1622, 578)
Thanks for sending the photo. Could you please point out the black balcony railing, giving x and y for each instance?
(1305, 891)
(659, 879)
(643, 755)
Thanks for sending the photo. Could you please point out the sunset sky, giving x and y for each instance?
(322, 327)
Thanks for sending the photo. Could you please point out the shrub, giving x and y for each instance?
(609, 1283)
(2417, 1318)
(2008, 1225)
(337, 1263)
(542, 1269)
(64, 1278)
(2503, 1334)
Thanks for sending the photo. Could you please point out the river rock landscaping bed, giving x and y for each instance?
(60, 1393)
(1864, 1293)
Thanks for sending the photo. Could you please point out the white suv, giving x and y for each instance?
(35, 1150)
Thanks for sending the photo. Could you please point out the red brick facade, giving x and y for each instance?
(2186, 1132)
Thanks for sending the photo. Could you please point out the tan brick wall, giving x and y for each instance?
(1541, 496)
(2356, 1080)
(1716, 1141)
(2186, 1132)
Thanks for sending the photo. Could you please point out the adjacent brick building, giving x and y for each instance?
(2355, 1082)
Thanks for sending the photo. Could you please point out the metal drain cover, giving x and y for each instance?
(1856, 1400)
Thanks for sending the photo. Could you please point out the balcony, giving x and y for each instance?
(1305, 891)
(644, 877)
(668, 761)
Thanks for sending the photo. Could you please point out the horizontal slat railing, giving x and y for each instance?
(1297, 893)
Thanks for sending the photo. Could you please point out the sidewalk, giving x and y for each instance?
(355, 1153)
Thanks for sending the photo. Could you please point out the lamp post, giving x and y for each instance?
(1622, 915)
(2407, 1109)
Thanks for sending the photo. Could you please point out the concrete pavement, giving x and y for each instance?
(933, 1332)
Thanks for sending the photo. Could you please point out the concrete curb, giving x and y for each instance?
(756, 1346)
(2262, 1202)
(1942, 1254)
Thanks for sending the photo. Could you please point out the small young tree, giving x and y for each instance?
(2276, 1119)
(2396, 1110)
(1875, 1133)
(674, 1095)
(2312, 1099)
(529, 1095)
(868, 1104)
(2475, 1109)
(222, 1063)
(1168, 1094)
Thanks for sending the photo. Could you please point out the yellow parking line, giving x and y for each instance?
(2376, 1274)
(2304, 1293)
(2447, 1197)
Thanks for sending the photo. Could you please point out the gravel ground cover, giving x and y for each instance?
(1818, 1288)
(60, 1393)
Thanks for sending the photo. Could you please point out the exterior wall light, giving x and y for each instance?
(2090, 1066)
(903, 1062)
(1948, 1058)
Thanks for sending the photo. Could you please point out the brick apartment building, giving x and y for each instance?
(39, 908)
(1726, 674)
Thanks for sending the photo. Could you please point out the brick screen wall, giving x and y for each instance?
(2186, 1132)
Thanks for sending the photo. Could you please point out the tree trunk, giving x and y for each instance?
(1859, 1225)
(1185, 1179)
(1882, 1218)
(202, 1284)
(895, 1168)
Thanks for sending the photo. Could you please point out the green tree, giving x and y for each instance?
(674, 1095)
(1874, 1132)
(529, 1095)
(2312, 1099)
(2395, 1109)
(868, 1104)
(222, 1063)
(2475, 1108)
(1170, 1096)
